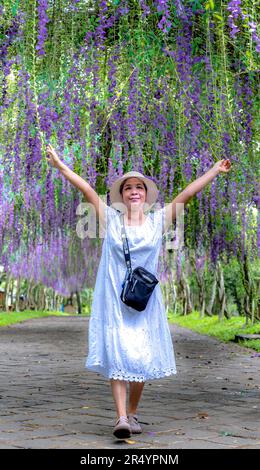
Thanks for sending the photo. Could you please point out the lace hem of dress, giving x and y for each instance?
(141, 378)
(126, 376)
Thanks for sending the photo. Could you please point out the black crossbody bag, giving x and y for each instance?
(139, 283)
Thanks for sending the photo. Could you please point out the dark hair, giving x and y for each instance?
(122, 185)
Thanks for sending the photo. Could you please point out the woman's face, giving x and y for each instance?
(133, 193)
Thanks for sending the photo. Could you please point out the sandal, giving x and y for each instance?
(122, 428)
(134, 424)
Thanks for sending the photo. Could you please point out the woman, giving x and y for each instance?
(125, 345)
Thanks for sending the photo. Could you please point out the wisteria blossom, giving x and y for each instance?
(115, 86)
(43, 19)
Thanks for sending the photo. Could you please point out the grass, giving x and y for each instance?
(9, 318)
(224, 330)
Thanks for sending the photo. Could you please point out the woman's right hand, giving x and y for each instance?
(53, 158)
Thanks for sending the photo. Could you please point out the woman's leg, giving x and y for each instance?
(135, 393)
(119, 395)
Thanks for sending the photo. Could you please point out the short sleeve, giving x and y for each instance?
(109, 216)
(110, 213)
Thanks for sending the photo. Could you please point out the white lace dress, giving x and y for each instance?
(126, 344)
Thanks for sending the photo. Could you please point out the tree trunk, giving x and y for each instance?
(181, 295)
(257, 303)
(174, 298)
(238, 303)
(53, 305)
(27, 294)
(221, 293)
(78, 303)
(187, 297)
(7, 287)
(30, 302)
(165, 291)
(250, 287)
(201, 285)
(47, 299)
(209, 308)
(40, 298)
(17, 298)
(246, 308)
(57, 301)
(12, 293)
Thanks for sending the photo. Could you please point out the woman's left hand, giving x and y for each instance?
(223, 166)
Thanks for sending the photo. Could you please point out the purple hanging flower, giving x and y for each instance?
(236, 13)
(145, 8)
(163, 7)
(43, 19)
(255, 37)
(234, 8)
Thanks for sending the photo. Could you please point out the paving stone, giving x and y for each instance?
(49, 400)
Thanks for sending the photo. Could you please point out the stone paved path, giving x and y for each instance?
(49, 400)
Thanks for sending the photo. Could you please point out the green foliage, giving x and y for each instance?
(224, 330)
(10, 318)
(251, 343)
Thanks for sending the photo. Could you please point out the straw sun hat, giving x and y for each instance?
(152, 190)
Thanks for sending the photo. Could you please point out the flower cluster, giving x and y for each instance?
(234, 7)
(145, 8)
(118, 107)
(255, 36)
(235, 12)
(163, 8)
(43, 19)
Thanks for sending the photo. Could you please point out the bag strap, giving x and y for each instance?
(125, 244)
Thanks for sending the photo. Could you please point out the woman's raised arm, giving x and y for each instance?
(222, 166)
(76, 180)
